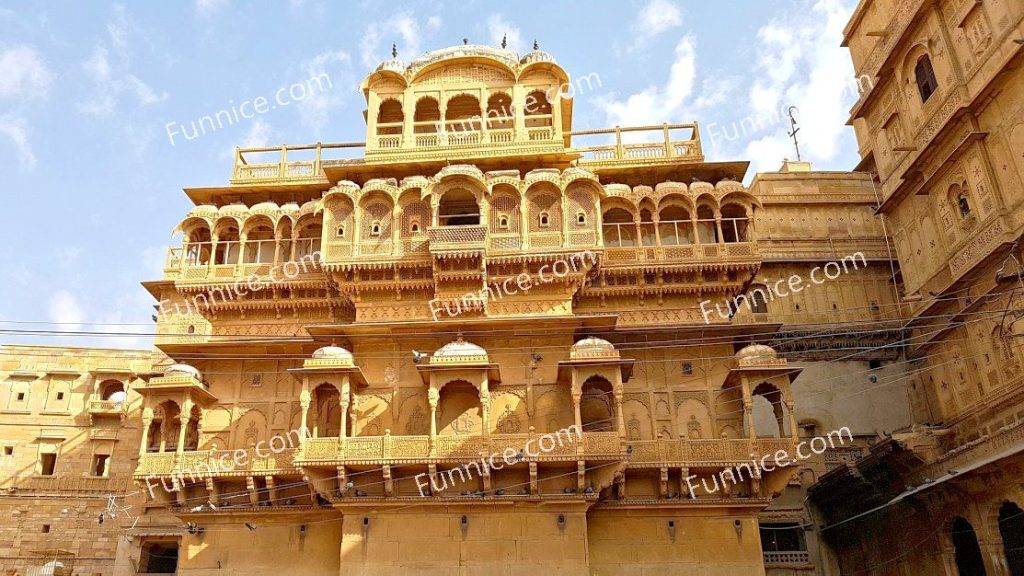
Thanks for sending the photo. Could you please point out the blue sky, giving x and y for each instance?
(94, 185)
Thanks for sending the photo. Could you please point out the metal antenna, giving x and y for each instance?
(792, 134)
(394, 50)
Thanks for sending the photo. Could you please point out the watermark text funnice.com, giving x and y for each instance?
(768, 462)
(249, 109)
(512, 285)
(783, 287)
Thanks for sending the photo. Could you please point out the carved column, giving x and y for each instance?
(577, 397)
(718, 226)
(304, 401)
(184, 419)
(485, 410)
(354, 405)
(433, 396)
(242, 239)
(213, 252)
(277, 248)
(695, 228)
(748, 408)
(793, 430)
(619, 421)
(163, 433)
(344, 403)
(147, 420)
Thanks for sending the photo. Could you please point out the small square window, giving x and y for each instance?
(46, 528)
(60, 395)
(21, 396)
(874, 364)
(47, 464)
(687, 369)
(99, 464)
(8, 450)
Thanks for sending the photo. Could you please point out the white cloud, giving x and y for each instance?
(657, 104)
(23, 73)
(210, 8)
(327, 77)
(65, 310)
(801, 63)
(403, 29)
(258, 135)
(498, 28)
(110, 87)
(655, 17)
(13, 127)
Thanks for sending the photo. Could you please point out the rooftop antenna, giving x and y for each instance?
(536, 46)
(792, 134)
(504, 41)
(465, 41)
(394, 50)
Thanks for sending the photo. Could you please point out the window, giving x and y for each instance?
(581, 219)
(46, 528)
(415, 228)
(925, 75)
(21, 396)
(341, 231)
(8, 450)
(47, 464)
(788, 537)
(545, 220)
(60, 395)
(99, 464)
(159, 558)
(964, 205)
(874, 364)
(687, 369)
(758, 300)
(503, 222)
(375, 229)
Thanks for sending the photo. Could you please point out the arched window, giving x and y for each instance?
(596, 414)
(925, 75)
(414, 227)
(341, 231)
(426, 116)
(1011, 528)
(966, 549)
(537, 110)
(674, 226)
(499, 111)
(503, 222)
(463, 114)
(458, 207)
(757, 297)
(619, 229)
(707, 232)
(581, 219)
(390, 117)
(545, 220)
(963, 204)
(734, 223)
(375, 229)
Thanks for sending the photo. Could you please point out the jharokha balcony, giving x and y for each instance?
(592, 450)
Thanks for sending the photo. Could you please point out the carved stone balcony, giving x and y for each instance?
(66, 484)
(100, 408)
(736, 252)
(619, 154)
(216, 463)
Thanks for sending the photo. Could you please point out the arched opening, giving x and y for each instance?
(227, 245)
(596, 413)
(707, 231)
(192, 430)
(1011, 528)
(458, 207)
(925, 76)
(619, 228)
(308, 240)
(198, 246)
(326, 412)
(113, 391)
(163, 431)
(674, 226)
(734, 223)
(757, 296)
(966, 549)
(426, 117)
(463, 114)
(459, 411)
(499, 112)
(390, 117)
(769, 411)
(260, 245)
(959, 196)
(537, 110)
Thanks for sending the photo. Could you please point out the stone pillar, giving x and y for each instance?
(718, 226)
(694, 228)
(748, 408)
(184, 420)
(485, 409)
(793, 430)
(619, 421)
(344, 403)
(577, 397)
(163, 433)
(433, 396)
(147, 420)
(304, 401)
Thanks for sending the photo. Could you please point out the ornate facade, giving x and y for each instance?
(484, 280)
(942, 126)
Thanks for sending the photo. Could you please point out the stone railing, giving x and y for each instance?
(67, 484)
(787, 558)
(663, 149)
(106, 407)
(738, 251)
(457, 237)
(203, 463)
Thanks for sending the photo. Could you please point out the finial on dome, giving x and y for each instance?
(536, 46)
(465, 41)
(460, 339)
(394, 50)
(504, 41)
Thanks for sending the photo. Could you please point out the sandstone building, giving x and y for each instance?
(478, 278)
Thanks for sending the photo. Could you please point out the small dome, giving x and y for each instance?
(393, 65)
(182, 369)
(537, 56)
(332, 352)
(459, 351)
(757, 351)
(592, 347)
